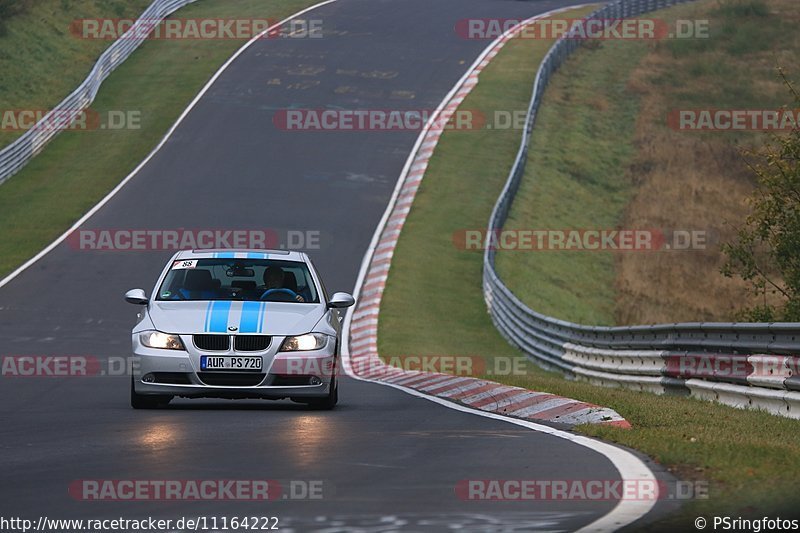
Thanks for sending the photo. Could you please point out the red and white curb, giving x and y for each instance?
(362, 324)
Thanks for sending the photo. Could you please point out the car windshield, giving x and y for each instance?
(264, 280)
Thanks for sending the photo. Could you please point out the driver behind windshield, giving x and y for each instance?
(274, 288)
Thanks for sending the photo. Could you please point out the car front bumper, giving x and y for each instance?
(297, 375)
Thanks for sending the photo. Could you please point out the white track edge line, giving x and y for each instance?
(30, 262)
(629, 466)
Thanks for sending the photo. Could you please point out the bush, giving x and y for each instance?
(766, 251)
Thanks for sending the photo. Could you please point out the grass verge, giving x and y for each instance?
(750, 461)
(603, 157)
(79, 167)
(41, 60)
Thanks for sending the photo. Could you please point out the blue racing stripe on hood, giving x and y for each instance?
(251, 311)
(218, 319)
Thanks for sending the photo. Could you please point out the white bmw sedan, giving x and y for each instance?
(237, 324)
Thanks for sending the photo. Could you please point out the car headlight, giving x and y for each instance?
(157, 339)
(301, 343)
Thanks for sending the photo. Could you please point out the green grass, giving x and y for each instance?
(580, 171)
(442, 307)
(573, 181)
(41, 61)
(79, 167)
(751, 461)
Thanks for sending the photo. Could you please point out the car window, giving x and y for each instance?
(239, 279)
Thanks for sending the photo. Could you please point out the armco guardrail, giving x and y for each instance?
(17, 154)
(745, 365)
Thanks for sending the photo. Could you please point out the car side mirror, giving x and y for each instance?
(136, 297)
(341, 300)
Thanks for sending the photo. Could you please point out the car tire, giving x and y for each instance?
(142, 401)
(329, 401)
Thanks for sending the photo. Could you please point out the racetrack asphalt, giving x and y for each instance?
(387, 460)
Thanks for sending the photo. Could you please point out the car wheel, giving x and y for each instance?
(329, 401)
(141, 401)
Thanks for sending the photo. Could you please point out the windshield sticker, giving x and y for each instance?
(182, 265)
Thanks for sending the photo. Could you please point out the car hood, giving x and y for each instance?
(268, 318)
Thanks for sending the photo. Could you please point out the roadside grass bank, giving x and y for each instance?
(41, 60)
(78, 168)
(433, 302)
(604, 157)
(437, 303)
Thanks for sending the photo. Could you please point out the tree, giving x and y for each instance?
(766, 251)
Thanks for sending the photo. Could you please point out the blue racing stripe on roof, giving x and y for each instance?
(250, 313)
(256, 255)
(218, 322)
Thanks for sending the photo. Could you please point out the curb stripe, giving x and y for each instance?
(363, 320)
(447, 392)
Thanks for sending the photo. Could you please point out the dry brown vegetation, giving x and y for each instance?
(694, 180)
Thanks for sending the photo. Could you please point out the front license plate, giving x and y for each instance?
(215, 362)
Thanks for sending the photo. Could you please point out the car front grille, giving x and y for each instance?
(212, 343)
(241, 343)
(231, 379)
(251, 343)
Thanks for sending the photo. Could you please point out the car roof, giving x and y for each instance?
(241, 253)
